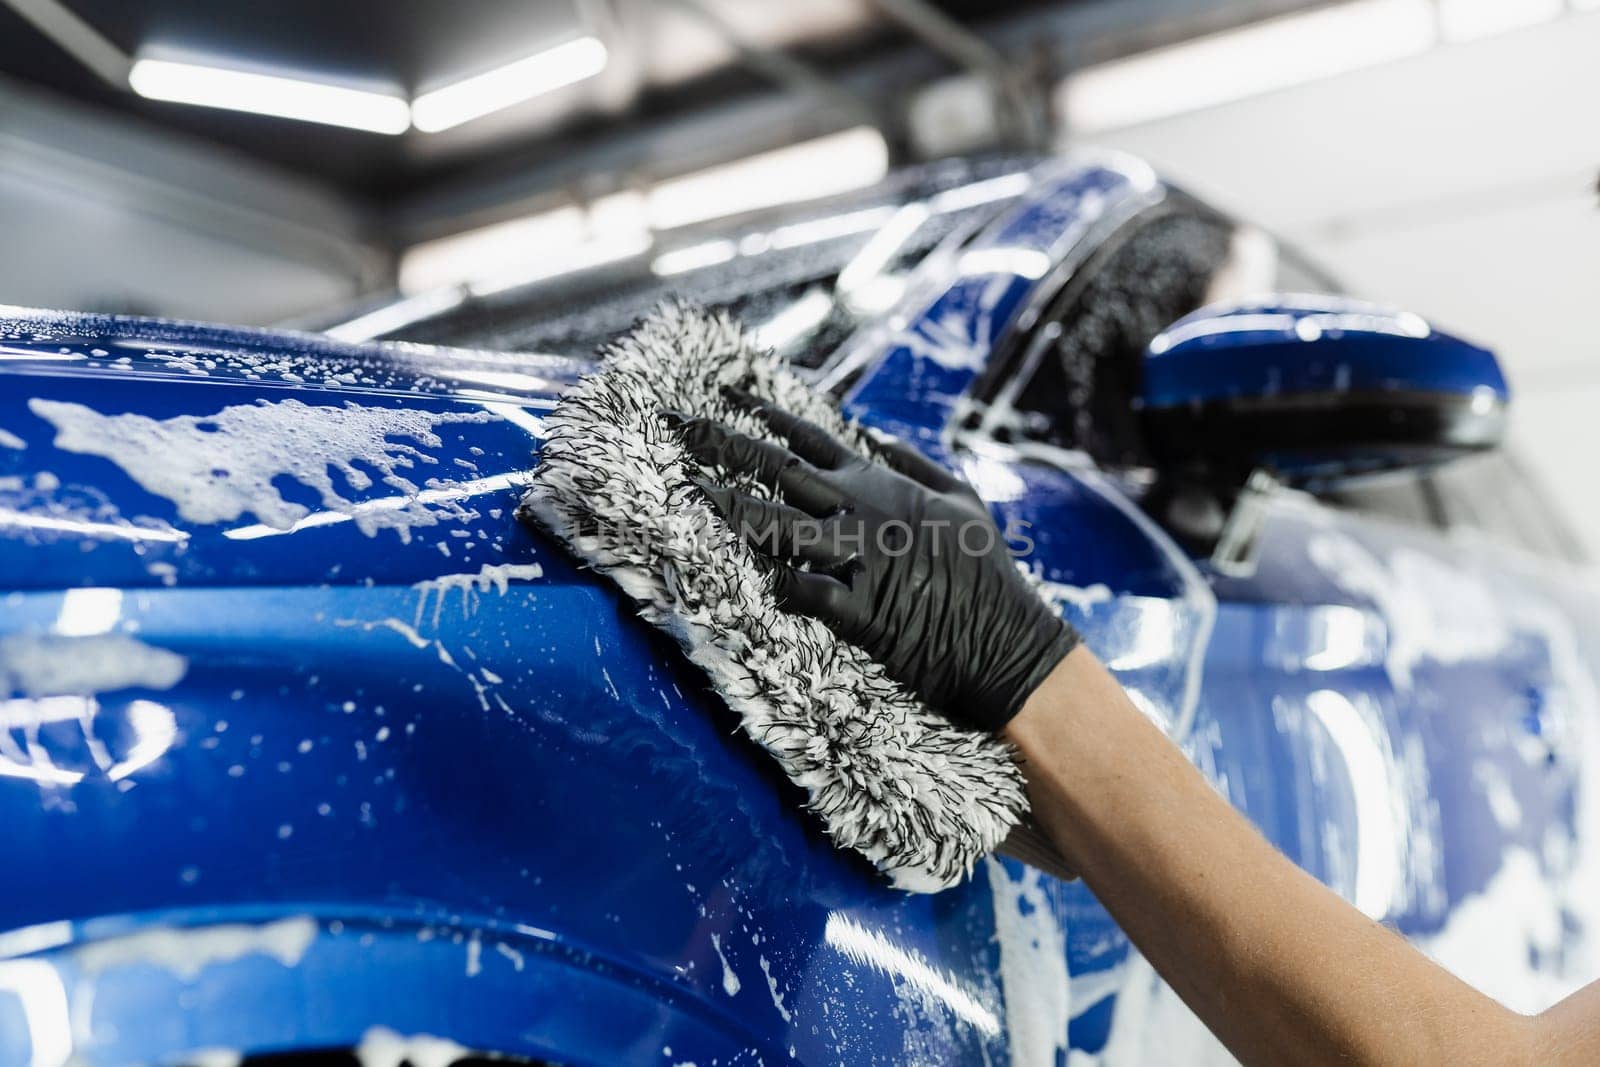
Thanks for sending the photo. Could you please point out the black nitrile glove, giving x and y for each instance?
(905, 563)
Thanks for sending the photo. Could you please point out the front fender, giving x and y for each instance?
(165, 994)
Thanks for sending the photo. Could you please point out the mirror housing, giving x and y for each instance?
(1315, 390)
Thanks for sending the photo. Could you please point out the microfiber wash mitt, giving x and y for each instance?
(921, 798)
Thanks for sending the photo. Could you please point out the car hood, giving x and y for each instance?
(145, 452)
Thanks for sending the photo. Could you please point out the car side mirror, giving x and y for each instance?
(1315, 390)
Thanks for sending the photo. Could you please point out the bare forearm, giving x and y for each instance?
(1277, 965)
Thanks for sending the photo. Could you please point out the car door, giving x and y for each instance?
(1405, 715)
(1067, 975)
(1491, 612)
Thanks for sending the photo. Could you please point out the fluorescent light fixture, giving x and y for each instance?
(1273, 54)
(495, 90)
(10, 517)
(398, 315)
(502, 246)
(1027, 263)
(614, 227)
(539, 265)
(979, 193)
(42, 997)
(814, 231)
(614, 213)
(879, 251)
(694, 257)
(267, 94)
(794, 321)
(1378, 840)
(1342, 639)
(864, 283)
(822, 167)
(89, 611)
(155, 728)
(515, 381)
(436, 495)
(77, 38)
(1468, 20)
(871, 948)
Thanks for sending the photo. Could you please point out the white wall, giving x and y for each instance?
(1459, 184)
(101, 213)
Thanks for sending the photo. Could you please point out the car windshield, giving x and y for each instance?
(804, 282)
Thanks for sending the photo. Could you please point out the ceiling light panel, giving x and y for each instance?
(1468, 20)
(268, 94)
(1262, 57)
(836, 163)
(503, 87)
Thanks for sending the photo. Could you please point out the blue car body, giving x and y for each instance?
(306, 742)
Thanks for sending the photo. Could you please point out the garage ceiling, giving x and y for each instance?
(666, 58)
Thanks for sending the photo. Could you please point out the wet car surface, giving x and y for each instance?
(308, 744)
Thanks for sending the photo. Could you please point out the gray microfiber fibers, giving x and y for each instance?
(919, 797)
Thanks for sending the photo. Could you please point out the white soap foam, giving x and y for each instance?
(1151, 1024)
(772, 987)
(1435, 611)
(216, 468)
(730, 981)
(41, 665)
(1514, 939)
(405, 630)
(1491, 936)
(187, 952)
(1495, 786)
(416, 640)
(1191, 617)
(1033, 966)
(1084, 598)
(471, 586)
(31, 510)
(214, 1057)
(382, 1047)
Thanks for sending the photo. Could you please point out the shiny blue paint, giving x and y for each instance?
(1297, 346)
(924, 367)
(520, 823)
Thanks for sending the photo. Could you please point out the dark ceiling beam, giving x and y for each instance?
(783, 69)
(77, 38)
(1024, 119)
(583, 164)
(1101, 30)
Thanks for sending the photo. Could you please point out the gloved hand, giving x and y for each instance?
(905, 563)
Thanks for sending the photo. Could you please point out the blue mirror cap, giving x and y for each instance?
(1291, 344)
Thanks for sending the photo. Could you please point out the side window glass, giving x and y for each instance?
(1401, 497)
(1489, 494)
(1494, 496)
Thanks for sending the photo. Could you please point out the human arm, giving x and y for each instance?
(1277, 965)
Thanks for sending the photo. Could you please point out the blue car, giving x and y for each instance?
(310, 750)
